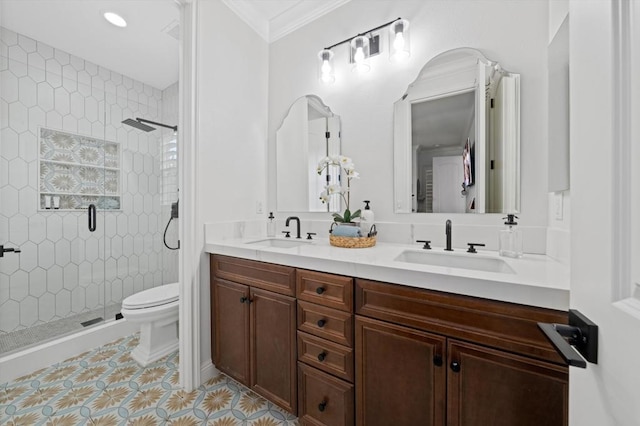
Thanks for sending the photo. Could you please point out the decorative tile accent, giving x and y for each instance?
(106, 387)
(71, 168)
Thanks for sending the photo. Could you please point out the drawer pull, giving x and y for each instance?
(321, 323)
(320, 290)
(245, 300)
(322, 405)
(321, 356)
(455, 366)
(437, 360)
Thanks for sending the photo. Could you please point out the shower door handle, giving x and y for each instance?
(92, 217)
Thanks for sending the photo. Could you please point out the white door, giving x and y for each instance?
(605, 201)
(447, 185)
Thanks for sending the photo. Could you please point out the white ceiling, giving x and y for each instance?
(143, 50)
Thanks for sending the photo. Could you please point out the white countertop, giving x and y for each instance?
(537, 279)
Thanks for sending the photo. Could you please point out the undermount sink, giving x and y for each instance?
(278, 242)
(450, 260)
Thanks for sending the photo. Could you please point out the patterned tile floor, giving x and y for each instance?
(106, 387)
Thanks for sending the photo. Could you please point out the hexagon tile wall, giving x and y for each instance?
(63, 268)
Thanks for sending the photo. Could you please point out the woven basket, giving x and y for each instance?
(352, 242)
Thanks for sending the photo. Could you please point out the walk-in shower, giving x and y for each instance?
(84, 197)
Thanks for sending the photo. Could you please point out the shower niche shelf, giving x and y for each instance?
(76, 170)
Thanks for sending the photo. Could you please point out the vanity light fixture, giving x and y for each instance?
(360, 53)
(364, 45)
(399, 41)
(325, 66)
(115, 19)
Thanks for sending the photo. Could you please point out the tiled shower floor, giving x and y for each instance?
(22, 339)
(105, 386)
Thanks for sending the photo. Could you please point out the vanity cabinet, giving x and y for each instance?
(339, 352)
(458, 360)
(254, 326)
(325, 349)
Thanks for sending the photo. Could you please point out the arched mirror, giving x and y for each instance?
(457, 138)
(309, 132)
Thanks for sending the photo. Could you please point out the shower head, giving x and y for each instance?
(138, 123)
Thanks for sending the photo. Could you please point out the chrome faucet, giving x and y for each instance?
(447, 231)
(297, 219)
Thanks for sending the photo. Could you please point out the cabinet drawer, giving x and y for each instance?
(502, 325)
(328, 323)
(330, 290)
(323, 399)
(267, 276)
(325, 355)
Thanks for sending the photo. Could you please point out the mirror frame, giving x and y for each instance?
(299, 178)
(453, 72)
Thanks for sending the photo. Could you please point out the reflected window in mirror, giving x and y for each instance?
(309, 132)
(456, 141)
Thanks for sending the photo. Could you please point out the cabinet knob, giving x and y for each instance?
(321, 323)
(322, 405)
(321, 356)
(455, 366)
(245, 300)
(320, 290)
(437, 360)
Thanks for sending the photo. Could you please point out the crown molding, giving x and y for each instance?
(284, 23)
(250, 16)
(299, 16)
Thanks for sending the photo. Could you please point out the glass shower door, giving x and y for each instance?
(52, 167)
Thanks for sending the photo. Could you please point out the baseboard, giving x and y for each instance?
(207, 371)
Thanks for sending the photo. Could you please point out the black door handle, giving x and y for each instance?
(92, 217)
(581, 333)
(8, 250)
(455, 366)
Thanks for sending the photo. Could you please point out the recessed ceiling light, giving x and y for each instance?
(115, 19)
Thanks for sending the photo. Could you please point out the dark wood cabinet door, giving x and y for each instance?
(273, 348)
(324, 400)
(400, 375)
(231, 329)
(490, 387)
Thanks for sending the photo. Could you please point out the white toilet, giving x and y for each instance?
(156, 310)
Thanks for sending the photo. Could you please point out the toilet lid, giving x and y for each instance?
(156, 296)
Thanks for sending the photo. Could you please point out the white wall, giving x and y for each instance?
(232, 129)
(514, 33)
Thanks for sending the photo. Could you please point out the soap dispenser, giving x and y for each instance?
(271, 226)
(366, 218)
(510, 243)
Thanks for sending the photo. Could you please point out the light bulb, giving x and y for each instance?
(326, 67)
(327, 78)
(358, 57)
(398, 43)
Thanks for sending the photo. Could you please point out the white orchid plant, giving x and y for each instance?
(346, 164)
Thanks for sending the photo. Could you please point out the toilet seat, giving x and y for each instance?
(157, 296)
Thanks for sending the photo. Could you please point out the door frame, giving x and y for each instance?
(189, 260)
